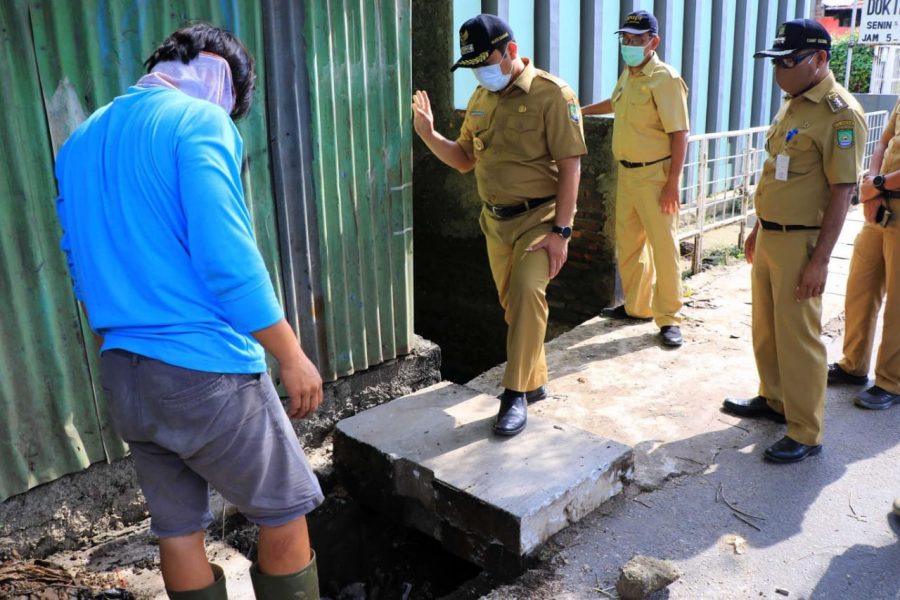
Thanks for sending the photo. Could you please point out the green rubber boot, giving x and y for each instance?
(302, 585)
(216, 591)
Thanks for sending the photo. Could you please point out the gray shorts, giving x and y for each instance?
(190, 429)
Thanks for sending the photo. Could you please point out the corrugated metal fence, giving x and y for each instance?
(341, 143)
(331, 211)
(360, 71)
(50, 423)
(711, 42)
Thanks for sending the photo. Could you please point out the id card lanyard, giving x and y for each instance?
(783, 161)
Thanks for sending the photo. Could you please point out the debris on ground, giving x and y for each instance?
(738, 543)
(738, 513)
(44, 580)
(354, 591)
(643, 575)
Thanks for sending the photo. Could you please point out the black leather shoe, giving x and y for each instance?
(876, 398)
(754, 407)
(619, 313)
(536, 394)
(671, 336)
(787, 450)
(838, 375)
(513, 414)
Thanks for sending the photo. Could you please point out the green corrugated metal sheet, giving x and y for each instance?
(99, 46)
(359, 63)
(49, 424)
(60, 61)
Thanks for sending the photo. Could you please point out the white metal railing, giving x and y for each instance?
(885, 71)
(721, 172)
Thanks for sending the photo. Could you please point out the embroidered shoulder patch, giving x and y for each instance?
(845, 124)
(844, 138)
(573, 113)
(835, 102)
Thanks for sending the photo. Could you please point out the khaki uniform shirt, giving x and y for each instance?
(518, 134)
(648, 107)
(891, 160)
(827, 149)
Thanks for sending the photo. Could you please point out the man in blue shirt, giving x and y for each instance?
(163, 259)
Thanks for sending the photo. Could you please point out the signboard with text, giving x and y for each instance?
(880, 22)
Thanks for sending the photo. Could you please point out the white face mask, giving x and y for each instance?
(492, 77)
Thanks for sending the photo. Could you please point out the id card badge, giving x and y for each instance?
(782, 162)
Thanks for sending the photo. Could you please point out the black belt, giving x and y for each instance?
(631, 165)
(771, 226)
(506, 212)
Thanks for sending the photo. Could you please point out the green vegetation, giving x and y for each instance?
(860, 70)
(717, 257)
(727, 255)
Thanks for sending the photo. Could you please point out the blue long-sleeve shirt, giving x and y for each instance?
(157, 235)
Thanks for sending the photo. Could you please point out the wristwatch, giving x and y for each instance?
(563, 232)
(878, 181)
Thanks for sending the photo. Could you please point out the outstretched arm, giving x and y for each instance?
(603, 107)
(449, 151)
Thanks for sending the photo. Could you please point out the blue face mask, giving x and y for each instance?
(633, 55)
(492, 77)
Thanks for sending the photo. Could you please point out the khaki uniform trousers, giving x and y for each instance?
(521, 278)
(874, 271)
(647, 246)
(790, 355)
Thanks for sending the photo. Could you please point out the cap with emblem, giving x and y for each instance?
(799, 34)
(480, 36)
(640, 22)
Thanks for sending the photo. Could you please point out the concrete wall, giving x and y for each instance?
(876, 102)
(455, 299)
(77, 510)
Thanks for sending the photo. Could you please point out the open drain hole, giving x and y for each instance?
(365, 556)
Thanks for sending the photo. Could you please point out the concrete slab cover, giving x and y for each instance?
(515, 492)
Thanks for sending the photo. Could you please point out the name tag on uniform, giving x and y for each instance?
(782, 163)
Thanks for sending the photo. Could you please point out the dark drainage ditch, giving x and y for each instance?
(363, 556)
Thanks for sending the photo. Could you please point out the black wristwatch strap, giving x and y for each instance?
(563, 232)
(878, 181)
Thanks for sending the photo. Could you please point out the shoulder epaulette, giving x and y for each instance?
(549, 77)
(835, 102)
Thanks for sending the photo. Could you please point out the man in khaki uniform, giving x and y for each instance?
(650, 135)
(523, 136)
(874, 272)
(815, 146)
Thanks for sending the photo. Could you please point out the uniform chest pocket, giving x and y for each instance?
(523, 134)
(481, 137)
(641, 106)
(641, 98)
(804, 153)
(523, 123)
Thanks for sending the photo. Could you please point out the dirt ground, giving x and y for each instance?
(818, 529)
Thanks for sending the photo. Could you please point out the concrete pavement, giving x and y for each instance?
(736, 526)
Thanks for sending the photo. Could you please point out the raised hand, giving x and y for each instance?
(423, 118)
